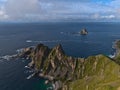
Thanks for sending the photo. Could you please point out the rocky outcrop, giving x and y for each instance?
(83, 32)
(117, 54)
(69, 73)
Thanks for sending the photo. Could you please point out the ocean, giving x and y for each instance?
(14, 36)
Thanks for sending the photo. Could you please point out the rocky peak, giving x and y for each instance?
(41, 50)
(64, 70)
(39, 56)
(38, 47)
(58, 49)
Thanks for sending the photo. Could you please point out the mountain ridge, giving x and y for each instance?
(98, 72)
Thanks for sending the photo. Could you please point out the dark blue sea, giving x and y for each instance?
(14, 36)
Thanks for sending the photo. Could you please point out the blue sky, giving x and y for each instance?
(59, 10)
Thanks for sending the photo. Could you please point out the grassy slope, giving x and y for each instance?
(94, 73)
(101, 73)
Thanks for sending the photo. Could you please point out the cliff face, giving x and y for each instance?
(101, 73)
(69, 73)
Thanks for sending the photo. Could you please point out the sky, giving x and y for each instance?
(59, 10)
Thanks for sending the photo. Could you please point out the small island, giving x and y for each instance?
(83, 32)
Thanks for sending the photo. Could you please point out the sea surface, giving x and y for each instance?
(14, 36)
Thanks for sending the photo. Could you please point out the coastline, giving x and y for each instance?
(56, 84)
(115, 46)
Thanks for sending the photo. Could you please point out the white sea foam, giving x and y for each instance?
(22, 49)
(50, 88)
(30, 76)
(28, 41)
(44, 41)
(27, 67)
(53, 41)
(19, 50)
(6, 57)
(111, 56)
(29, 71)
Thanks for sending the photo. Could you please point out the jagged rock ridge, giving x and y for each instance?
(68, 73)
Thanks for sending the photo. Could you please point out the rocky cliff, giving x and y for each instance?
(68, 73)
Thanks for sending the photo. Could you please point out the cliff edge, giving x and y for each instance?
(68, 73)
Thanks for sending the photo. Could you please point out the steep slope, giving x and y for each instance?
(101, 74)
(117, 46)
(68, 73)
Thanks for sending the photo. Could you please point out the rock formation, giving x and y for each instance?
(68, 73)
(83, 32)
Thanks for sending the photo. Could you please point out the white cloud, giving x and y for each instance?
(56, 9)
(98, 16)
(18, 9)
(3, 14)
(108, 17)
(95, 16)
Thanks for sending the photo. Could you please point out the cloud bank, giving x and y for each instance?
(55, 10)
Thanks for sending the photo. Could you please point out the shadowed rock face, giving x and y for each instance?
(117, 56)
(68, 73)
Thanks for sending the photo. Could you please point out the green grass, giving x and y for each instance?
(109, 80)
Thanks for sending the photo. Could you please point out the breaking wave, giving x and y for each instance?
(111, 56)
(45, 41)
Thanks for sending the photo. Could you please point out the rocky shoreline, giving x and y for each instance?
(116, 46)
(62, 70)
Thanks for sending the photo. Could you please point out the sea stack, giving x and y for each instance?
(83, 32)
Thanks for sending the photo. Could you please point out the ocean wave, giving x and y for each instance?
(8, 57)
(112, 55)
(44, 41)
(117, 35)
(50, 41)
(65, 33)
(53, 41)
(28, 41)
(19, 50)
(97, 42)
(50, 88)
(22, 49)
(27, 67)
(29, 71)
(30, 76)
